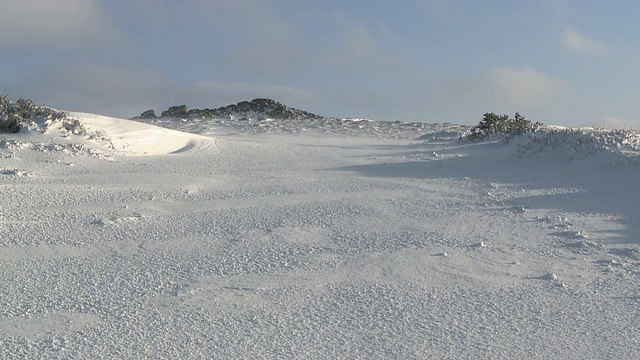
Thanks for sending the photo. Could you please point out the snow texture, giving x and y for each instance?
(316, 240)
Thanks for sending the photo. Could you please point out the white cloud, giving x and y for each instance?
(524, 86)
(510, 89)
(575, 41)
(61, 23)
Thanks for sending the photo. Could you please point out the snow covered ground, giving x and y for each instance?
(352, 241)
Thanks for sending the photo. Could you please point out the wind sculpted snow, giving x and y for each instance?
(138, 138)
(353, 241)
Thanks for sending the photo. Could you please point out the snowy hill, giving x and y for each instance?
(316, 239)
(268, 116)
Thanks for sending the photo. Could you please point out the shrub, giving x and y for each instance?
(14, 115)
(492, 124)
(9, 124)
(580, 143)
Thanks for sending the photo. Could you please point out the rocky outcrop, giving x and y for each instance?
(179, 111)
(149, 114)
(256, 109)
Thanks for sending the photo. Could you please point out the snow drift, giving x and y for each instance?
(138, 138)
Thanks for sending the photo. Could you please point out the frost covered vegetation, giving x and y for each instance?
(25, 113)
(534, 138)
(503, 126)
(580, 143)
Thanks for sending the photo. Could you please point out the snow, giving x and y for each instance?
(316, 241)
(134, 137)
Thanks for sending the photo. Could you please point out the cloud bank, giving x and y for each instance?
(508, 88)
(125, 92)
(575, 41)
(60, 24)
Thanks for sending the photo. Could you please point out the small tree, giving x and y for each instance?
(492, 124)
(519, 125)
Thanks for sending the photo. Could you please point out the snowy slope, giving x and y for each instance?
(135, 137)
(315, 242)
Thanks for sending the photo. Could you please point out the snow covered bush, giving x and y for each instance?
(9, 124)
(501, 125)
(580, 143)
(14, 115)
(8, 119)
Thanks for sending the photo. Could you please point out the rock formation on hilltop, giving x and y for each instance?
(179, 111)
(149, 114)
(256, 109)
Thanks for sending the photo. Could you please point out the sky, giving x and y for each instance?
(554, 61)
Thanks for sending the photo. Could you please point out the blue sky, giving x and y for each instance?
(555, 61)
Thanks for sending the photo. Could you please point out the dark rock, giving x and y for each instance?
(256, 109)
(179, 111)
(149, 114)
